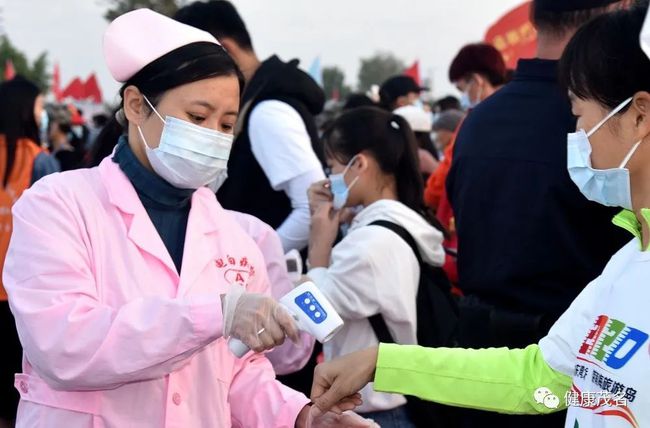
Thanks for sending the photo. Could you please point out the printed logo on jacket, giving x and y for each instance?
(236, 270)
(609, 347)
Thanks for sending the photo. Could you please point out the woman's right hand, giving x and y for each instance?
(319, 193)
(257, 320)
(339, 379)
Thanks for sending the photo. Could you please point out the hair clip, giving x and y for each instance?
(121, 117)
(394, 124)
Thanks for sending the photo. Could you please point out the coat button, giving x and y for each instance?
(23, 387)
(176, 398)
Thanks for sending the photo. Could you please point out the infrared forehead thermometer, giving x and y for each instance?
(294, 265)
(312, 312)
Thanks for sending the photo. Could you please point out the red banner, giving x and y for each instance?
(88, 90)
(514, 35)
(92, 89)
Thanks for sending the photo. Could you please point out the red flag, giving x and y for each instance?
(56, 83)
(76, 118)
(91, 89)
(514, 35)
(10, 71)
(75, 90)
(414, 72)
(336, 94)
(81, 91)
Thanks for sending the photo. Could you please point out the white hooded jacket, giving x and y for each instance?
(372, 270)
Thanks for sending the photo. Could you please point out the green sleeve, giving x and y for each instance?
(496, 379)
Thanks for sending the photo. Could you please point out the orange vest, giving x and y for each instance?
(19, 180)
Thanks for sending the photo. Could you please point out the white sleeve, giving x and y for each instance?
(294, 231)
(280, 142)
(560, 346)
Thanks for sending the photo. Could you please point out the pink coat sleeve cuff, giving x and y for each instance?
(294, 403)
(206, 317)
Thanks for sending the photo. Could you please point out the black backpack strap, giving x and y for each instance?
(378, 324)
(377, 321)
(402, 233)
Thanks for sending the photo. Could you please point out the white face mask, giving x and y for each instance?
(610, 187)
(189, 156)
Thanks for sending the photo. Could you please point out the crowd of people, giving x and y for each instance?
(487, 254)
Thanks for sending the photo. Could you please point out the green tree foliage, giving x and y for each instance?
(333, 81)
(36, 71)
(120, 7)
(377, 68)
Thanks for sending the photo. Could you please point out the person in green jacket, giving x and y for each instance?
(595, 360)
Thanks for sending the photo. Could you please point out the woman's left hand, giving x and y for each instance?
(337, 380)
(323, 232)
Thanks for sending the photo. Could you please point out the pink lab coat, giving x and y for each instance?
(288, 357)
(112, 336)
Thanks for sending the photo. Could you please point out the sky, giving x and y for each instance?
(340, 32)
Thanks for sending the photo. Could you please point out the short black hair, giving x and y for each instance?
(560, 23)
(447, 103)
(99, 120)
(219, 18)
(604, 61)
(397, 86)
(358, 100)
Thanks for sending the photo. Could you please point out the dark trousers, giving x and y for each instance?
(483, 326)
(11, 363)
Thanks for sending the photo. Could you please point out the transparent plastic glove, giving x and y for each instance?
(257, 320)
(347, 419)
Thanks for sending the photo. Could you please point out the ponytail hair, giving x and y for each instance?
(390, 141)
(410, 185)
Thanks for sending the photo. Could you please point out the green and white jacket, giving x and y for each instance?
(595, 360)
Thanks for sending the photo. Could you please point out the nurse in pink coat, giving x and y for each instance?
(126, 279)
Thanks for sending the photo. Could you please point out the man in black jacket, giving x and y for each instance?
(276, 154)
(528, 241)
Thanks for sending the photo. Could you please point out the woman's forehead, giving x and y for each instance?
(214, 93)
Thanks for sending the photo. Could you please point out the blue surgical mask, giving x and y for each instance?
(466, 102)
(610, 187)
(340, 190)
